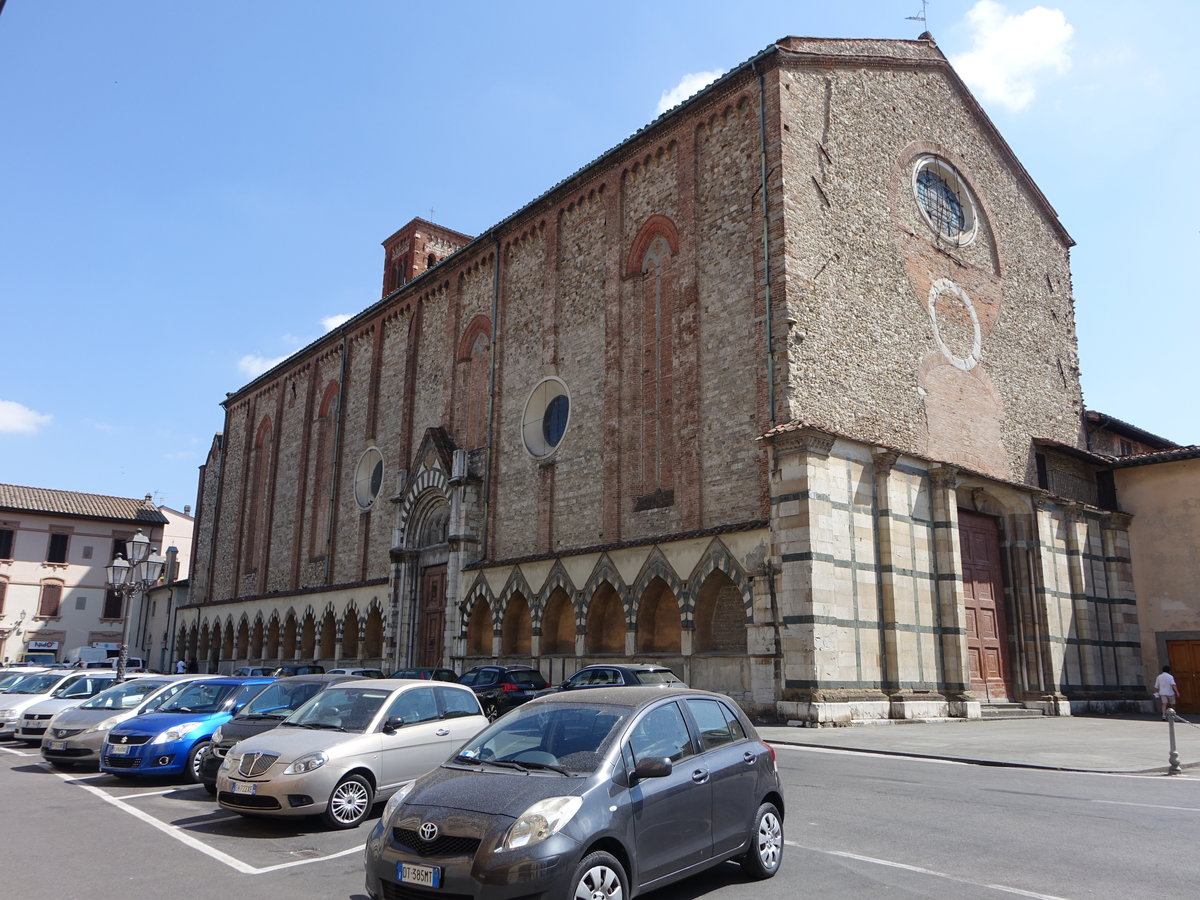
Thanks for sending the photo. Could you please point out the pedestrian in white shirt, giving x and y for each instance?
(1165, 690)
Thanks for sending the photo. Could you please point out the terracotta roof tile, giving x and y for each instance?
(69, 503)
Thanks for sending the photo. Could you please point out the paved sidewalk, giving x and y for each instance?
(1127, 744)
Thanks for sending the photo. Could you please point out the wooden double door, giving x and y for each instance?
(431, 616)
(983, 589)
(1184, 657)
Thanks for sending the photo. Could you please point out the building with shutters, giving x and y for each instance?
(54, 546)
(782, 392)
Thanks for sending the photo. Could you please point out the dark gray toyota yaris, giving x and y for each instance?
(601, 794)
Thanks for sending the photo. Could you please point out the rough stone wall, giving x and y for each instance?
(732, 341)
(581, 256)
(520, 345)
(864, 356)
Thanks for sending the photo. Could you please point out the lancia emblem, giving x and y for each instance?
(428, 832)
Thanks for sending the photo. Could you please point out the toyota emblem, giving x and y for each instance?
(428, 832)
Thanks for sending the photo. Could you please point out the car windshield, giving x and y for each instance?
(8, 681)
(657, 676)
(201, 697)
(573, 738)
(280, 700)
(82, 688)
(339, 709)
(123, 696)
(37, 684)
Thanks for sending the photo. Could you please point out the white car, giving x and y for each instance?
(9, 677)
(34, 689)
(36, 718)
(76, 736)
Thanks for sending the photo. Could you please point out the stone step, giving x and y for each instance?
(1007, 711)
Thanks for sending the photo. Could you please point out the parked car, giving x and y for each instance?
(427, 673)
(76, 736)
(298, 669)
(36, 718)
(274, 704)
(253, 671)
(602, 796)
(619, 675)
(500, 688)
(349, 746)
(10, 676)
(25, 692)
(362, 673)
(171, 740)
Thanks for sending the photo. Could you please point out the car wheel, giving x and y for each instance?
(62, 766)
(349, 803)
(195, 758)
(765, 853)
(600, 877)
(211, 788)
(490, 710)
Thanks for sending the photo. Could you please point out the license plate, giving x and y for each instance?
(426, 876)
(245, 787)
(56, 745)
(118, 749)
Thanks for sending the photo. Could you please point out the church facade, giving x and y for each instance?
(782, 392)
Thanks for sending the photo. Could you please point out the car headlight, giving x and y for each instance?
(176, 732)
(216, 738)
(6, 713)
(231, 761)
(395, 800)
(306, 764)
(105, 725)
(544, 818)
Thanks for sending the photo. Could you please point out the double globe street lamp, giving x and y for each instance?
(130, 575)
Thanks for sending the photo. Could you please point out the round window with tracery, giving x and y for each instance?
(368, 478)
(547, 414)
(944, 200)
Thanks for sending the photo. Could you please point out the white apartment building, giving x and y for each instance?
(54, 546)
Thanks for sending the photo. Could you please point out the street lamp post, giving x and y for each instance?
(129, 576)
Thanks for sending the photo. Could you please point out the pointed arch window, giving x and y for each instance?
(260, 483)
(322, 478)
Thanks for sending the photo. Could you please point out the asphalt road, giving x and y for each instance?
(856, 826)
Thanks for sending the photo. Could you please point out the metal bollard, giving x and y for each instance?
(1174, 768)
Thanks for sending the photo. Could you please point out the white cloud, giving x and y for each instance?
(687, 86)
(20, 419)
(331, 322)
(253, 366)
(1012, 52)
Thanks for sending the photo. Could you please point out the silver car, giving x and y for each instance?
(349, 746)
(76, 736)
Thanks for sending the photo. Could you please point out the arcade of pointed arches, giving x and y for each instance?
(658, 614)
(355, 636)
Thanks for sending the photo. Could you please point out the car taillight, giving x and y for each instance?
(505, 686)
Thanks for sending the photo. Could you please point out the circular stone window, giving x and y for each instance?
(368, 478)
(944, 200)
(547, 412)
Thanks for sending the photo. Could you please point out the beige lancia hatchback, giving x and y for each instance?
(350, 746)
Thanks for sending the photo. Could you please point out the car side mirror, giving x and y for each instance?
(391, 723)
(653, 767)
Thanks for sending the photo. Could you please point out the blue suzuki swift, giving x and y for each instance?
(172, 739)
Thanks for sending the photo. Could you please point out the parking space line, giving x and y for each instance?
(171, 831)
(18, 752)
(923, 871)
(150, 793)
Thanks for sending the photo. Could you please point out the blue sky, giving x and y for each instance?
(193, 190)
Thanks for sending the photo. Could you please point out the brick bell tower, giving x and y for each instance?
(418, 246)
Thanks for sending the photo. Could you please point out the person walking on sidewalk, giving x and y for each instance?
(1165, 690)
